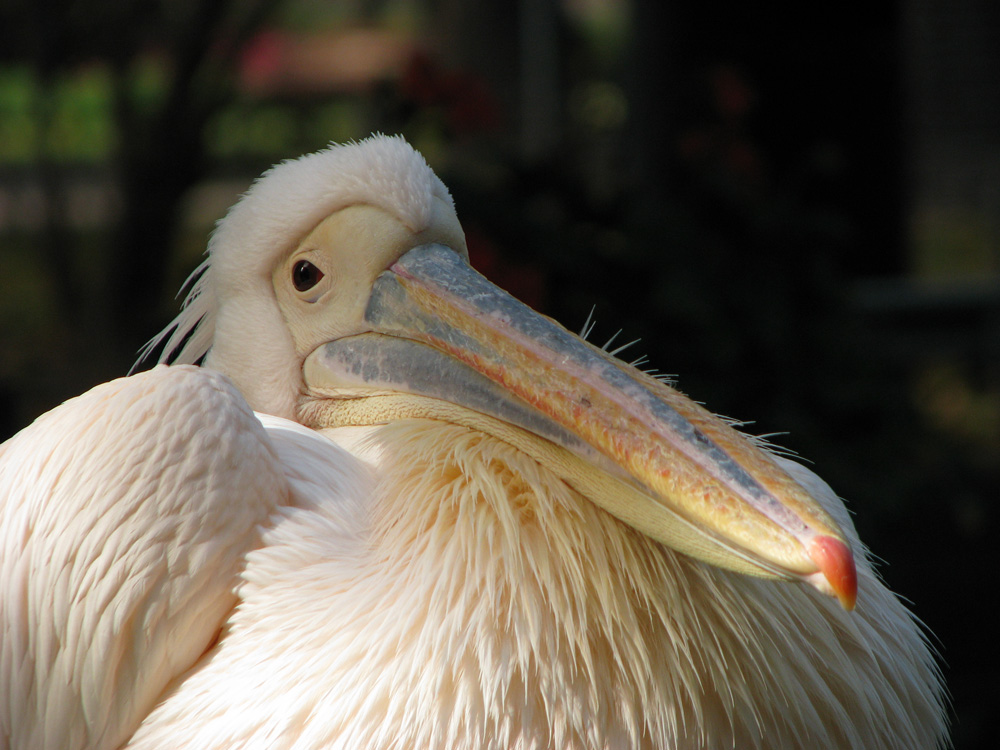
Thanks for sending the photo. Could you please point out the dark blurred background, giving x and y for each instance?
(797, 211)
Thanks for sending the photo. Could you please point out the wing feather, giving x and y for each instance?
(125, 516)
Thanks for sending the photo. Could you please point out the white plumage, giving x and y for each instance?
(126, 516)
(179, 573)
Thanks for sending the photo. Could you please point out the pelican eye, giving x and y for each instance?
(305, 276)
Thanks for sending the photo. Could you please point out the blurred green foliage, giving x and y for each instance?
(80, 127)
(18, 137)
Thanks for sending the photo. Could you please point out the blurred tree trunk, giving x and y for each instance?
(526, 35)
(652, 89)
(475, 36)
(49, 37)
(162, 149)
(172, 65)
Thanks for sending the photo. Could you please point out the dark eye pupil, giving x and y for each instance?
(305, 276)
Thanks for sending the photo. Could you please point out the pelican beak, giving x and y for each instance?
(445, 343)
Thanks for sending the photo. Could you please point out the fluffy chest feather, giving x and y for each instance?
(460, 596)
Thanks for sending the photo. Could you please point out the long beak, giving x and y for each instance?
(643, 451)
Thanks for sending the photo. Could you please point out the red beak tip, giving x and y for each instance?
(836, 563)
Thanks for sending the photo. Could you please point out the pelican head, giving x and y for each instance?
(338, 292)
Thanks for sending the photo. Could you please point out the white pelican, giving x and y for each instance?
(453, 524)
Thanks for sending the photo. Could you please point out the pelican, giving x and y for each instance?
(393, 507)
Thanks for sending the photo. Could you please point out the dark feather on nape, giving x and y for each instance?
(153, 352)
(190, 330)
